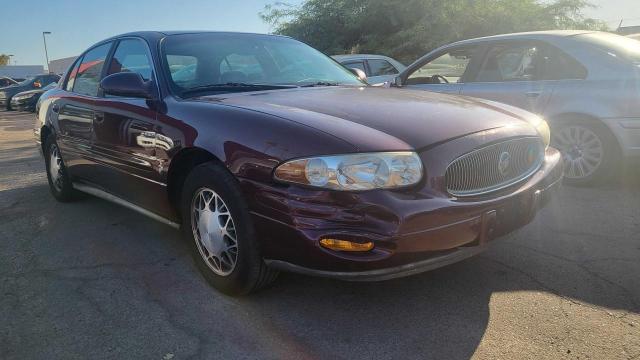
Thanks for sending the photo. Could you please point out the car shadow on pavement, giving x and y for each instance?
(98, 280)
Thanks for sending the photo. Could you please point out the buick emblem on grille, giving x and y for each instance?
(503, 163)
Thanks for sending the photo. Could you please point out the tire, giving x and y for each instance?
(229, 257)
(60, 183)
(590, 152)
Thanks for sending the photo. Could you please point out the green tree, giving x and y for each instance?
(4, 59)
(407, 29)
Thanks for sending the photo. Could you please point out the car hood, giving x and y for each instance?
(29, 92)
(365, 116)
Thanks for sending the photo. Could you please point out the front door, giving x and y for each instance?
(443, 72)
(127, 141)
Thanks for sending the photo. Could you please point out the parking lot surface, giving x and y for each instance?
(93, 280)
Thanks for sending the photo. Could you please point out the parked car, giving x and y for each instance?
(378, 68)
(305, 169)
(27, 100)
(586, 84)
(5, 81)
(32, 83)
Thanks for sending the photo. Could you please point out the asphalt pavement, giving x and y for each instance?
(92, 280)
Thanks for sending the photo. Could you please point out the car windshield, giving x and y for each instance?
(615, 45)
(27, 81)
(222, 62)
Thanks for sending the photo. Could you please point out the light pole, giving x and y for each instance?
(44, 39)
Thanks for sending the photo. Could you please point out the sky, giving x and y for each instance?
(77, 24)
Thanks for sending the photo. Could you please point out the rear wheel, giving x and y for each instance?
(589, 151)
(59, 182)
(217, 224)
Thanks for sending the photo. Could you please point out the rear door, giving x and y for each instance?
(444, 71)
(511, 73)
(75, 112)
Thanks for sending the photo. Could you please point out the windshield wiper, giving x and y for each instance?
(321, 83)
(235, 86)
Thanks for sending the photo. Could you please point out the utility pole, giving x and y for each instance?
(46, 54)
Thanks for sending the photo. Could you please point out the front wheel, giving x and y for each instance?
(217, 224)
(589, 151)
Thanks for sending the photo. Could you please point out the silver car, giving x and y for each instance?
(586, 84)
(378, 68)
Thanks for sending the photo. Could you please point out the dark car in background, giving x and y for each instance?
(6, 81)
(271, 156)
(31, 83)
(27, 100)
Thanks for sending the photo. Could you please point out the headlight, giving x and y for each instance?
(354, 171)
(543, 129)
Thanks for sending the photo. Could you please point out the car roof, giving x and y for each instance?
(156, 34)
(359, 56)
(527, 35)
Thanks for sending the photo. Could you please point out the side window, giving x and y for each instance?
(446, 68)
(381, 67)
(556, 65)
(240, 68)
(73, 73)
(355, 65)
(510, 62)
(131, 56)
(89, 71)
(182, 68)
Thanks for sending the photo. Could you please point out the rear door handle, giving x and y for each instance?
(98, 117)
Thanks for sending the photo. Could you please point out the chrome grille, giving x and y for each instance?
(494, 167)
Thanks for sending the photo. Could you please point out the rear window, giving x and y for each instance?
(615, 45)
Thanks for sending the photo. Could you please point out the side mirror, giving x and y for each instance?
(359, 73)
(397, 81)
(127, 84)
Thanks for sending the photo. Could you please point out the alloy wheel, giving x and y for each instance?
(214, 231)
(581, 149)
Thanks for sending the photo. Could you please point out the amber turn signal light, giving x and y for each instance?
(343, 245)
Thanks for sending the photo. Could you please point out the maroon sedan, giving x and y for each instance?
(271, 156)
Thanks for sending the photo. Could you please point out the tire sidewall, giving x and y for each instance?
(245, 274)
(66, 193)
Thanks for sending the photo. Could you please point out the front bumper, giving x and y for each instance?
(22, 105)
(412, 231)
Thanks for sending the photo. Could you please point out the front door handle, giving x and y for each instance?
(533, 94)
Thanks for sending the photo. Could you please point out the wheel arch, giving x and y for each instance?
(181, 164)
(569, 116)
(45, 132)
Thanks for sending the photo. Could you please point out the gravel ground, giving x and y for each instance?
(92, 280)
